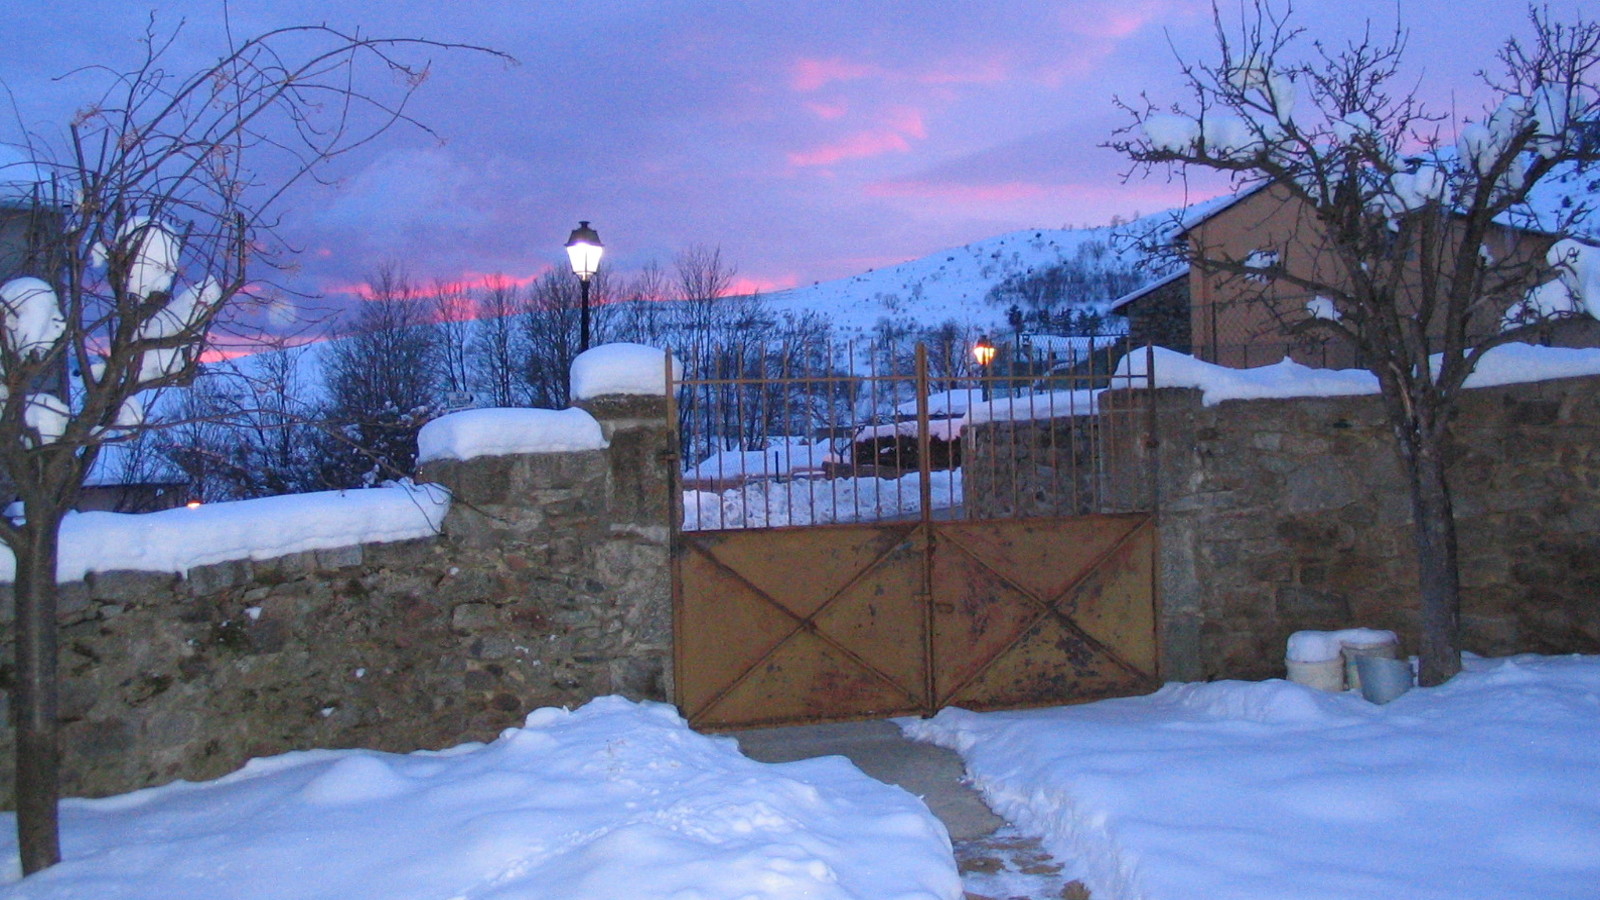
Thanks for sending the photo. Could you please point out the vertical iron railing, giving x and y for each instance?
(872, 440)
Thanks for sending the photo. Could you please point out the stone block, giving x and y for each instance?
(129, 586)
(203, 581)
(333, 559)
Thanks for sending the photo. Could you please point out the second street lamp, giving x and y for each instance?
(983, 352)
(583, 250)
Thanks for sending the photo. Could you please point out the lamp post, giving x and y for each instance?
(583, 250)
(983, 352)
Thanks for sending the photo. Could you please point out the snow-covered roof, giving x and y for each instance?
(782, 457)
(939, 429)
(943, 403)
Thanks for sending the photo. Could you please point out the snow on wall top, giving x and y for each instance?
(177, 540)
(1506, 364)
(621, 369)
(501, 432)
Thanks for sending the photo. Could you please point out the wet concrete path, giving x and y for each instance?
(997, 862)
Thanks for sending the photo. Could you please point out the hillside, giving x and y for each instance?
(953, 284)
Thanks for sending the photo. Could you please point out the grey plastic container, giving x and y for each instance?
(1383, 679)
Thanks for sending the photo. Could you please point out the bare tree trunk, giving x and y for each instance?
(1434, 532)
(38, 748)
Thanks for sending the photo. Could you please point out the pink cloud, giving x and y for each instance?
(1117, 19)
(970, 71)
(999, 192)
(811, 74)
(860, 145)
(828, 111)
(1078, 203)
(904, 125)
(745, 285)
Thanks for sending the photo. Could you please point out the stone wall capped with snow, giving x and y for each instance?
(1278, 515)
(546, 585)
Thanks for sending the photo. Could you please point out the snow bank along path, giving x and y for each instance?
(615, 800)
(1488, 786)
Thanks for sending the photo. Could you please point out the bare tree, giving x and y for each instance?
(165, 189)
(246, 431)
(1398, 244)
(453, 314)
(383, 381)
(497, 355)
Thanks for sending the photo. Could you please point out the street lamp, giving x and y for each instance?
(983, 352)
(584, 249)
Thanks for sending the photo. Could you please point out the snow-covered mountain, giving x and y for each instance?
(954, 283)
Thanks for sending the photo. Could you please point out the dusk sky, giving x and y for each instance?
(809, 140)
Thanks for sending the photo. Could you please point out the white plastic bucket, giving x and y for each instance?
(1383, 679)
(1324, 675)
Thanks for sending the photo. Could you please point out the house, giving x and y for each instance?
(1242, 320)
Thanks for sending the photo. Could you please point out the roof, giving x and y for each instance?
(1125, 299)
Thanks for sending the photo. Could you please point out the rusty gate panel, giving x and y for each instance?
(962, 601)
(1039, 611)
(801, 624)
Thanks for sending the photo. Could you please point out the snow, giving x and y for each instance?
(622, 369)
(1172, 133)
(782, 458)
(33, 319)
(1506, 364)
(185, 311)
(774, 504)
(613, 800)
(1320, 307)
(500, 432)
(943, 403)
(1488, 786)
(151, 253)
(947, 430)
(177, 540)
(1324, 646)
(46, 414)
(1029, 407)
(953, 284)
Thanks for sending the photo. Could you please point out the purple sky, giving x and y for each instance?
(810, 140)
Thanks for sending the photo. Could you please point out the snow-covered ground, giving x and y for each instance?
(1488, 786)
(615, 801)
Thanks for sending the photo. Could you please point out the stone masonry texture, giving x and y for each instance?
(1281, 515)
(548, 586)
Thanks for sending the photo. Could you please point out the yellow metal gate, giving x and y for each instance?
(854, 621)
(840, 621)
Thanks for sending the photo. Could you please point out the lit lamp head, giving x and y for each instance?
(983, 351)
(584, 249)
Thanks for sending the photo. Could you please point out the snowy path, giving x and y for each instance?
(995, 860)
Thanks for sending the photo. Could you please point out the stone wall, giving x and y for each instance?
(548, 586)
(1281, 515)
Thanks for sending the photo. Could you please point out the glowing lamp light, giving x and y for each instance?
(983, 352)
(193, 504)
(584, 250)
